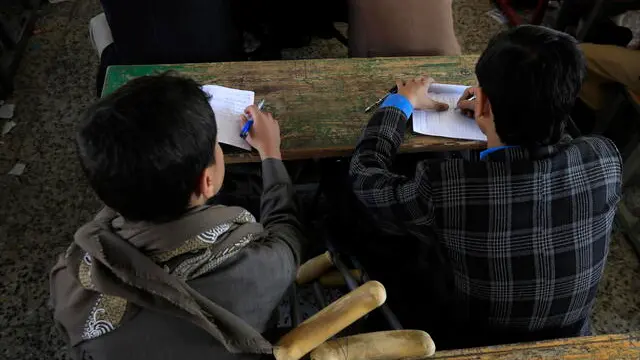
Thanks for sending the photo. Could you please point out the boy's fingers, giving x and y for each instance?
(463, 97)
(466, 104)
(429, 80)
(468, 93)
(431, 104)
(252, 110)
(439, 106)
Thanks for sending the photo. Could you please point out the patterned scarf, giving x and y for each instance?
(115, 268)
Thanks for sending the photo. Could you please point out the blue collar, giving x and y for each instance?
(485, 153)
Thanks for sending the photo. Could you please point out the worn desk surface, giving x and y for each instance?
(614, 347)
(319, 103)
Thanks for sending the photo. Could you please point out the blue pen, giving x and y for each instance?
(247, 126)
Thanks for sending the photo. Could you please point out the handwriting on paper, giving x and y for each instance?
(228, 105)
(450, 123)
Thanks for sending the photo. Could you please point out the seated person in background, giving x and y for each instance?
(407, 28)
(524, 228)
(158, 274)
(604, 29)
(169, 32)
(606, 65)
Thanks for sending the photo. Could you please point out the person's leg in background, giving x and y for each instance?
(570, 14)
(606, 64)
(606, 32)
(102, 42)
(401, 28)
(163, 32)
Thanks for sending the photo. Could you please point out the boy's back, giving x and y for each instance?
(525, 225)
(527, 235)
(167, 276)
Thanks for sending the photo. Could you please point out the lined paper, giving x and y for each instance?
(228, 105)
(450, 123)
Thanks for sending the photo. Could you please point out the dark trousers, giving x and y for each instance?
(171, 32)
(415, 273)
(412, 271)
(163, 31)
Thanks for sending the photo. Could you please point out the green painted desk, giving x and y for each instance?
(319, 103)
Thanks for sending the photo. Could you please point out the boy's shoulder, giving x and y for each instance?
(597, 147)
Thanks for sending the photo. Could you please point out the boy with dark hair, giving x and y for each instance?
(524, 228)
(159, 274)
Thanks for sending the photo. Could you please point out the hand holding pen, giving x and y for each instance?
(247, 125)
(467, 102)
(264, 132)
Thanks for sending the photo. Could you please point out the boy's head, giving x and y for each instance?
(529, 78)
(149, 149)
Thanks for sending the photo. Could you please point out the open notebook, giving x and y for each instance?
(228, 105)
(450, 123)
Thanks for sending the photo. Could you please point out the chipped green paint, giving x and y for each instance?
(118, 75)
(320, 102)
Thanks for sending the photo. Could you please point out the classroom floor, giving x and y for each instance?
(41, 209)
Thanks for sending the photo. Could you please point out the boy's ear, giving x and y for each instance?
(483, 105)
(207, 184)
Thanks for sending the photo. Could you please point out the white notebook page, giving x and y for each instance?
(450, 123)
(228, 105)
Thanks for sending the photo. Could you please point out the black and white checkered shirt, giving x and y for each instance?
(526, 232)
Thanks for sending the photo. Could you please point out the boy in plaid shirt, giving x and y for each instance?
(523, 228)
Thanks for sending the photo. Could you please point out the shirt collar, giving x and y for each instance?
(485, 153)
(514, 153)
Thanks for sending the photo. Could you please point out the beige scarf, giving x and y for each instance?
(115, 268)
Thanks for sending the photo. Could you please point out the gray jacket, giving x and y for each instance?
(250, 285)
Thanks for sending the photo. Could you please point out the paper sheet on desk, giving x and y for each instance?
(450, 123)
(228, 105)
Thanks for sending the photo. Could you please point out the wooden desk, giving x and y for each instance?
(614, 347)
(319, 103)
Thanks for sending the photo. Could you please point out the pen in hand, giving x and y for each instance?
(393, 90)
(466, 103)
(247, 126)
(473, 97)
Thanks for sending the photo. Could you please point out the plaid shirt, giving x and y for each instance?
(526, 233)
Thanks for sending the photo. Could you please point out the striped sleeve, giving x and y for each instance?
(399, 204)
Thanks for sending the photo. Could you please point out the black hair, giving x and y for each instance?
(144, 147)
(532, 76)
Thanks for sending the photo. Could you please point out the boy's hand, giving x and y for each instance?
(415, 91)
(264, 135)
(467, 102)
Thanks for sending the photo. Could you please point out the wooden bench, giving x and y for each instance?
(618, 347)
